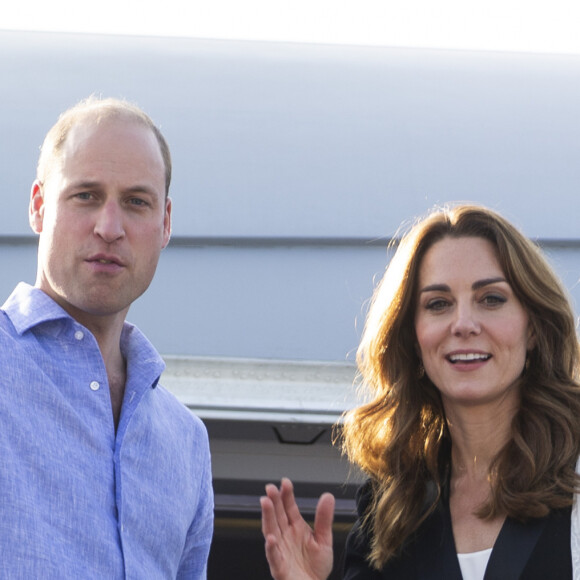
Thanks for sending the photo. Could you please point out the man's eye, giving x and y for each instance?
(137, 201)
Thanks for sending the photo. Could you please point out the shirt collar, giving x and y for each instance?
(136, 346)
(28, 307)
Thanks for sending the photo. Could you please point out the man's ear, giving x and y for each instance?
(167, 223)
(36, 207)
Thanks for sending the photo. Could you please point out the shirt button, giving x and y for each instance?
(95, 386)
(79, 334)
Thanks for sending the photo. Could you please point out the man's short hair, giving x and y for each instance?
(96, 110)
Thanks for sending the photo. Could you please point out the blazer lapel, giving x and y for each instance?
(512, 549)
(436, 556)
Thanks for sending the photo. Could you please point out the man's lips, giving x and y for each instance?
(105, 259)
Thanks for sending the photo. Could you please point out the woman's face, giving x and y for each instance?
(472, 332)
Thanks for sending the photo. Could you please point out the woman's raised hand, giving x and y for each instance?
(294, 550)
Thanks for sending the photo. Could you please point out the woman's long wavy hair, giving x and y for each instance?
(400, 438)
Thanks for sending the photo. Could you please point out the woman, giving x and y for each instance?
(470, 441)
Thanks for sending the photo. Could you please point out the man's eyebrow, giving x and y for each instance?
(140, 188)
(475, 286)
(85, 185)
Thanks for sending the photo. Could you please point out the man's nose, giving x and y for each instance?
(109, 222)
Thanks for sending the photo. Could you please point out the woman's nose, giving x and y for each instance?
(465, 322)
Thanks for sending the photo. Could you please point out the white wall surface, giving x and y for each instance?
(289, 158)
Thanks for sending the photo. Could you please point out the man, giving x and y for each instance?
(103, 473)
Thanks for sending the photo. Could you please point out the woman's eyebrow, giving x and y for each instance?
(436, 288)
(475, 286)
(487, 282)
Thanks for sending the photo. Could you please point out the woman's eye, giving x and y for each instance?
(436, 304)
(493, 300)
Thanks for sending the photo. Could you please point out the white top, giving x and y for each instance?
(575, 533)
(473, 565)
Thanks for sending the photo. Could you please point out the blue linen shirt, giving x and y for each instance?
(78, 500)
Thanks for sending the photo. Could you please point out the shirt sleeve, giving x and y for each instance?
(193, 565)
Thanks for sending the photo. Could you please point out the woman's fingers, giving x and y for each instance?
(295, 551)
(291, 509)
(273, 554)
(323, 519)
(269, 521)
(275, 496)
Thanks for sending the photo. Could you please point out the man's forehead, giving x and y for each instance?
(93, 150)
(89, 131)
(128, 142)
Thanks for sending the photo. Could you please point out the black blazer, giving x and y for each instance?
(537, 550)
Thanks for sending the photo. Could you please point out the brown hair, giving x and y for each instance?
(400, 437)
(97, 110)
